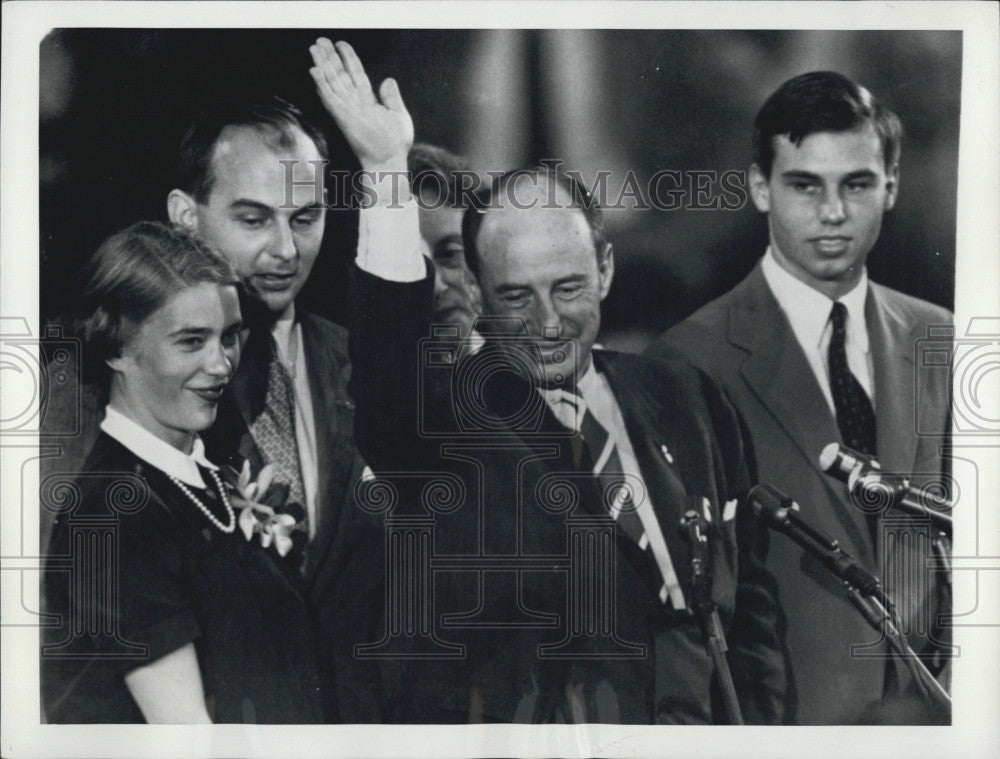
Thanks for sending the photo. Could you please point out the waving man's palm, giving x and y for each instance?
(379, 130)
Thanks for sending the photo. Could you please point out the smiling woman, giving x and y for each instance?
(190, 622)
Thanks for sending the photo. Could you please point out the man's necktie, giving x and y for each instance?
(606, 465)
(274, 432)
(598, 451)
(855, 415)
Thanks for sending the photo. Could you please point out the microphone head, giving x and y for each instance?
(689, 516)
(839, 461)
(829, 456)
(693, 524)
(770, 504)
(872, 491)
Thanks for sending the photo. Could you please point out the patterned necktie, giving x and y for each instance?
(855, 415)
(607, 467)
(595, 449)
(274, 431)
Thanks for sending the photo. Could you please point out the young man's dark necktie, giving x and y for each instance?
(855, 414)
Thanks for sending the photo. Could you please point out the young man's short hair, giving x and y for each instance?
(822, 101)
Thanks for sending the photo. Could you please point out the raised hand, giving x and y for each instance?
(378, 129)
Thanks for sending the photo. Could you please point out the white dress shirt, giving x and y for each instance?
(808, 312)
(156, 452)
(287, 335)
(393, 231)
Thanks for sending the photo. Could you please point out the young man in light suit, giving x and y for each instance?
(803, 373)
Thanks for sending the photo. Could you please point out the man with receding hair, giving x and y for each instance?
(598, 420)
(287, 405)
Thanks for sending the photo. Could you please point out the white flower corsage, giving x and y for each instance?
(259, 518)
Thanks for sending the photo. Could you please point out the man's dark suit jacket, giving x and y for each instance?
(689, 446)
(343, 568)
(745, 343)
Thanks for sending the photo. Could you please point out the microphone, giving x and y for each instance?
(696, 529)
(695, 526)
(781, 513)
(836, 460)
(869, 485)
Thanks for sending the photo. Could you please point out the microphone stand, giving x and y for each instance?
(708, 616)
(881, 619)
(941, 546)
(865, 481)
(862, 587)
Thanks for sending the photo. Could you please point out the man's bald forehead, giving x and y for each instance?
(237, 140)
(532, 202)
(533, 199)
(276, 121)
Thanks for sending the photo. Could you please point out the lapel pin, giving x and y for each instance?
(666, 454)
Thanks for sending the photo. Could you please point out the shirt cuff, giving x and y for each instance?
(389, 243)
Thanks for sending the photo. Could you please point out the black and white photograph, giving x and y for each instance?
(500, 379)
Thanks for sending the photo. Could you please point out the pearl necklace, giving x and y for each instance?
(204, 509)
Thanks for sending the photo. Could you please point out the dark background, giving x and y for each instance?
(115, 103)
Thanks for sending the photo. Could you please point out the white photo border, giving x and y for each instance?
(976, 683)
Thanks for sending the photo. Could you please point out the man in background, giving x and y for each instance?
(811, 352)
(288, 405)
(436, 182)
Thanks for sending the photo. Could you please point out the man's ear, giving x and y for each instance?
(182, 210)
(760, 192)
(606, 269)
(891, 186)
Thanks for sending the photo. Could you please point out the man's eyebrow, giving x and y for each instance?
(309, 207)
(189, 330)
(860, 174)
(247, 204)
(809, 176)
(800, 175)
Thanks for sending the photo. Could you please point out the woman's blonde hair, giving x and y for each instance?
(133, 274)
